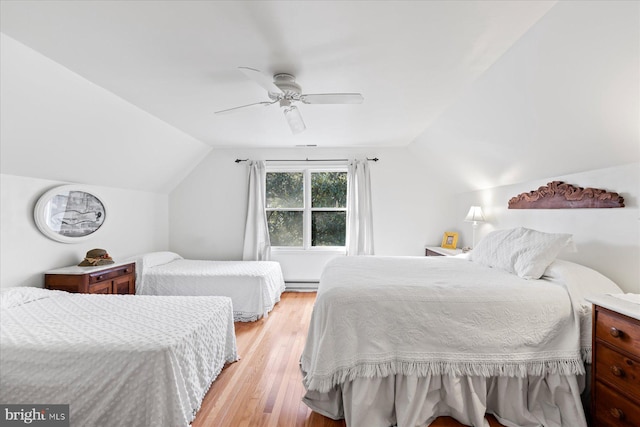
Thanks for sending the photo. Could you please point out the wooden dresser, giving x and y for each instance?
(106, 279)
(615, 383)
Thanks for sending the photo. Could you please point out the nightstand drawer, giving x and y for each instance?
(439, 251)
(110, 274)
(429, 252)
(619, 371)
(611, 409)
(618, 331)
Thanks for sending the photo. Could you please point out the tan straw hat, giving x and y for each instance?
(96, 257)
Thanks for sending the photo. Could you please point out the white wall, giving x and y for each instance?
(608, 240)
(136, 222)
(207, 210)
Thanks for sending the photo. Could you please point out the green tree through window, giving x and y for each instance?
(307, 208)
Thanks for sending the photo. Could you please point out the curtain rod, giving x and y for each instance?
(375, 159)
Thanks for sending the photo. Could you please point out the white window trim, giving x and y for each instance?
(306, 219)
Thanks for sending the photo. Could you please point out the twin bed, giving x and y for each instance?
(115, 359)
(253, 286)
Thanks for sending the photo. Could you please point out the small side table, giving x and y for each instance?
(438, 251)
(106, 279)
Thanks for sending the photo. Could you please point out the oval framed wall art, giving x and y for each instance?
(70, 213)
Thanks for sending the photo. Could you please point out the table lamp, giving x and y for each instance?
(475, 215)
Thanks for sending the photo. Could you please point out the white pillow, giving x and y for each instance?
(13, 297)
(153, 259)
(520, 251)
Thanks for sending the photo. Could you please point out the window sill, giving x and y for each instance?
(281, 250)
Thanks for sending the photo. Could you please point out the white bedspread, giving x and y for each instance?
(118, 360)
(253, 286)
(380, 316)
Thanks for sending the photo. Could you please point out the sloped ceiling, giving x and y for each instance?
(484, 92)
(565, 99)
(177, 60)
(59, 126)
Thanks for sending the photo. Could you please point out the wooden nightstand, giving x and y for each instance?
(106, 279)
(615, 382)
(438, 251)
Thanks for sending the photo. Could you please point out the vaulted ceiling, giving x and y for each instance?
(486, 93)
(178, 60)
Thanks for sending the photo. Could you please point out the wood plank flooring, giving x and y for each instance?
(264, 388)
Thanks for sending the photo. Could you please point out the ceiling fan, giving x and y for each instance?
(283, 89)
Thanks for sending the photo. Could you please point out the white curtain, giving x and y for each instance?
(359, 216)
(257, 246)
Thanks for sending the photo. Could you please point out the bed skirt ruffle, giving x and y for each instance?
(552, 400)
(487, 367)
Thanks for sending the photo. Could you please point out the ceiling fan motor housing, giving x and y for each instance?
(291, 90)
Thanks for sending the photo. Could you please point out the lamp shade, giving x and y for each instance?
(475, 214)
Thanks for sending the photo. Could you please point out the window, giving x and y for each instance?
(307, 208)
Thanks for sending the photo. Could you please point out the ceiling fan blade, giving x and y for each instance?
(242, 106)
(263, 80)
(294, 118)
(332, 98)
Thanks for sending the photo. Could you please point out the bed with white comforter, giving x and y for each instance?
(115, 359)
(403, 340)
(253, 286)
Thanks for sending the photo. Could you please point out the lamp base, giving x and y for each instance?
(475, 225)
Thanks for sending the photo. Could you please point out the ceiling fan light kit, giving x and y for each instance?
(294, 118)
(284, 90)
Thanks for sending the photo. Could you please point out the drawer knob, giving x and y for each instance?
(616, 333)
(617, 413)
(100, 277)
(126, 270)
(617, 371)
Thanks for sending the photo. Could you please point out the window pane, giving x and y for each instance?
(285, 190)
(285, 228)
(328, 228)
(328, 189)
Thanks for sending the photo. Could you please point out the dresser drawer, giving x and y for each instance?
(618, 370)
(618, 331)
(611, 409)
(110, 273)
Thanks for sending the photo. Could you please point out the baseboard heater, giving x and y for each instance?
(301, 285)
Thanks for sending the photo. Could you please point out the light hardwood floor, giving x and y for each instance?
(264, 388)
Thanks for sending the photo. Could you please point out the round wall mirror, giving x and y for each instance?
(70, 213)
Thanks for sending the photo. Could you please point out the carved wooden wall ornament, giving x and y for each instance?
(558, 195)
